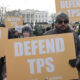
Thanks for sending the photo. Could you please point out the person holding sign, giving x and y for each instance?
(27, 32)
(61, 26)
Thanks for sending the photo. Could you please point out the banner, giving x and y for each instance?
(41, 58)
(3, 37)
(11, 21)
(71, 7)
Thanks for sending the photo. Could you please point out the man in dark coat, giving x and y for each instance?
(62, 26)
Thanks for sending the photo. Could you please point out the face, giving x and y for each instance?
(26, 34)
(16, 33)
(62, 24)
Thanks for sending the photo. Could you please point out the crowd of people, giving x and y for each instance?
(61, 25)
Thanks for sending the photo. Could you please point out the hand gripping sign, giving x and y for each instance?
(41, 58)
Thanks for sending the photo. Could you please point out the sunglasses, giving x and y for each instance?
(65, 22)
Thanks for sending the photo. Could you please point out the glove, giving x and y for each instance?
(72, 63)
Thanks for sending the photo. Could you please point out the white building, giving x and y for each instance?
(30, 15)
(34, 16)
(41, 16)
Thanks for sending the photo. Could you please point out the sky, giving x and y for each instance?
(42, 5)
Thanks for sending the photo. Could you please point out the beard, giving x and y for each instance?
(63, 27)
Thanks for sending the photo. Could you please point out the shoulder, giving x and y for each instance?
(49, 32)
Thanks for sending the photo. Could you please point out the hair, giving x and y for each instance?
(27, 29)
(61, 15)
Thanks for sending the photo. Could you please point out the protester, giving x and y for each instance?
(62, 26)
(27, 32)
(48, 28)
(10, 33)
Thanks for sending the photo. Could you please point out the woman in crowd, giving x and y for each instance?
(27, 32)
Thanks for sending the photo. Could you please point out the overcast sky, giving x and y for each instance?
(43, 5)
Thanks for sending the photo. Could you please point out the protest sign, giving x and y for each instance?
(11, 21)
(3, 37)
(71, 7)
(41, 58)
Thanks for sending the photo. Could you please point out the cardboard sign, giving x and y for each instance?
(11, 21)
(3, 37)
(41, 58)
(71, 7)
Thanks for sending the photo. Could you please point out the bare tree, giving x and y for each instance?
(2, 13)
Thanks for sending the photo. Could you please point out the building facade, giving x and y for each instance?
(35, 16)
(29, 15)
